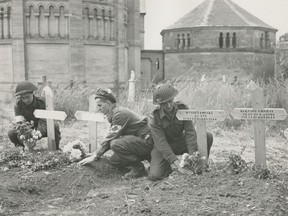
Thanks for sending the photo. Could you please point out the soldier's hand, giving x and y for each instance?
(88, 160)
(176, 166)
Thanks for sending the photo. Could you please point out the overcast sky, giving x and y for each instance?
(163, 13)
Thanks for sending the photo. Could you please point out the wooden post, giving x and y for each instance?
(93, 119)
(201, 105)
(258, 103)
(259, 115)
(50, 122)
(50, 115)
(200, 116)
(92, 126)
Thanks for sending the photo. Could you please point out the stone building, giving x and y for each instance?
(216, 38)
(97, 41)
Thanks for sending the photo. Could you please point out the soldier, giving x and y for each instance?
(129, 136)
(171, 136)
(26, 103)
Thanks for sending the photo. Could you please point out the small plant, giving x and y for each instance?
(193, 162)
(236, 164)
(262, 172)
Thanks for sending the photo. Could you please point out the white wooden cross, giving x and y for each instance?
(200, 116)
(50, 115)
(94, 118)
(259, 114)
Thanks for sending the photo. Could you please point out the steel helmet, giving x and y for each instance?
(25, 87)
(163, 92)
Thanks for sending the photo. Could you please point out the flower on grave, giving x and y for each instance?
(193, 162)
(26, 132)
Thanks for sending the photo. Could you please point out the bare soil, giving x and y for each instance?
(99, 189)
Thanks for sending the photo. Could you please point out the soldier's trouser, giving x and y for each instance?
(42, 128)
(160, 167)
(129, 150)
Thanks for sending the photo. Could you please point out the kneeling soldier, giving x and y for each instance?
(129, 136)
(171, 136)
(26, 103)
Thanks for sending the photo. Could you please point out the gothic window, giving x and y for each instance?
(178, 41)
(1, 23)
(234, 40)
(188, 41)
(183, 41)
(267, 40)
(157, 64)
(62, 23)
(221, 40)
(227, 42)
(262, 41)
(86, 23)
(9, 22)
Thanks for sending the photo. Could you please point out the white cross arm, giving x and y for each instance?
(89, 116)
(205, 115)
(50, 114)
(260, 114)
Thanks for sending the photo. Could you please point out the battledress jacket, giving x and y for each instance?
(168, 132)
(124, 122)
(27, 111)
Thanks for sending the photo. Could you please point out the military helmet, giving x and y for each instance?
(25, 87)
(163, 92)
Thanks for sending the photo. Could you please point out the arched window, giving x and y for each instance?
(157, 64)
(178, 41)
(267, 40)
(183, 41)
(221, 40)
(234, 38)
(227, 42)
(188, 41)
(262, 41)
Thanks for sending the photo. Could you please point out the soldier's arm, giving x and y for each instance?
(190, 136)
(119, 123)
(161, 142)
(190, 132)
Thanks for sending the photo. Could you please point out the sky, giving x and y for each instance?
(163, 13)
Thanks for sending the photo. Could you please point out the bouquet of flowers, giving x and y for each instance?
(26, 133)
(193, 162)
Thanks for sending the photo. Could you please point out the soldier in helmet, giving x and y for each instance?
(171, 136)
(129, 137)
(26, 103)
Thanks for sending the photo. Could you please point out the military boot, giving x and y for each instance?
(137, 171)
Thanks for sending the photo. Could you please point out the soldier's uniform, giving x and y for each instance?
(21, 109)
(129, 138)
(171, 137)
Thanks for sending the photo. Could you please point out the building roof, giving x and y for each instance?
(218, 13)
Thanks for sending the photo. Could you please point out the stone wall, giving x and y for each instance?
(208, 38)
(152, 67)
(82, 40)
(244, 65)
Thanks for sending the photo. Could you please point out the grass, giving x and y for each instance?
(219, 96)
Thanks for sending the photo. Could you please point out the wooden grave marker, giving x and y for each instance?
(50, 115)
(200, 116)
(93, 119)
(259, 114)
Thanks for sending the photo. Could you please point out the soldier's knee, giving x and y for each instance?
(115, 144)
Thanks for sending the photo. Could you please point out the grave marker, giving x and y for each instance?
(50, 115)
(259, 114)
(200, 116)
(93, 119)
